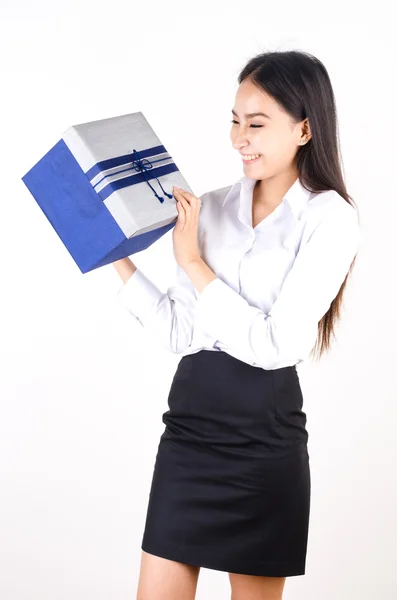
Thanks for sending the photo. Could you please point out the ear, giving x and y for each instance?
(306, 131)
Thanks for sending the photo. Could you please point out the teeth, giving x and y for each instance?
(251, 156)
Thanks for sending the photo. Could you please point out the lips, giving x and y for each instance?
(247, 161)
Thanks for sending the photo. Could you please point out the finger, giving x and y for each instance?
(190, 198)
(198, 206)
(178, 193)
(186, 205)
(181, 212)
(194, 202)
(184, 192)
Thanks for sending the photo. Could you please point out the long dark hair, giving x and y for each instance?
(300, 83)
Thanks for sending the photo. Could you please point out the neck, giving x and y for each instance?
(271, 191)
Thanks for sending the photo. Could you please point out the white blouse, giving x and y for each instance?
(274, 281)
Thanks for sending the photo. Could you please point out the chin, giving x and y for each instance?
(255, 171)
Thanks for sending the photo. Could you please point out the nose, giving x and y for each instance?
(238, 143)
(239, 140)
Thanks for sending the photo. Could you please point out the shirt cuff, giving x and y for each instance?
(139, 295)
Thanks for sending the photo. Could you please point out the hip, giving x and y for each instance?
(215, 398)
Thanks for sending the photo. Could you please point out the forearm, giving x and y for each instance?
(199, 273)
(169, 316)
(125, 268)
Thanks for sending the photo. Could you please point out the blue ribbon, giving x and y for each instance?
(141, 165)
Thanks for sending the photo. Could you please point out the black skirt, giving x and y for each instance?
(231, 480)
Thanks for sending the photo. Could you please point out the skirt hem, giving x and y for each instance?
(261, 568)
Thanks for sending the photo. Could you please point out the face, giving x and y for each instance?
(276, 137)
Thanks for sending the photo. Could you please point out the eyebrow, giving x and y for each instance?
(254, 114)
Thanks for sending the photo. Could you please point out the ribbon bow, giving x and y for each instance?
(142, 165)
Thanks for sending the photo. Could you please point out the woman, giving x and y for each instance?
(262, 266)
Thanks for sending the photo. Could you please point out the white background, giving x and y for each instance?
(83, 388)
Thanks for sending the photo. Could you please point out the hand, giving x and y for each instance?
(185, 232)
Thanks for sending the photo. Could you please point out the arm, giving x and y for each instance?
(169, 316)
(125, 268)
(289, 330)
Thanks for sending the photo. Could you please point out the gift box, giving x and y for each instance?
(106, 189)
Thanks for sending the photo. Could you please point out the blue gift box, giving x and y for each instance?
(106, 189)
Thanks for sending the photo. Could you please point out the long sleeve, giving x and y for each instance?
(290, 328)
(169, 316)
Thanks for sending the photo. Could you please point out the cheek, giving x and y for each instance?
(281, 150)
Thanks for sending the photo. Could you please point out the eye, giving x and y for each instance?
(233, 121)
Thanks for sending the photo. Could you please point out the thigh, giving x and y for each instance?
(166, 579)
(256, 587)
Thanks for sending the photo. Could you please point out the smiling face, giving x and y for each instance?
(275, 136)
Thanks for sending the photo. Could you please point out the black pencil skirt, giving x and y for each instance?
(231, 480)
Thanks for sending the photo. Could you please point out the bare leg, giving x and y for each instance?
(164, 579)
(256, 587)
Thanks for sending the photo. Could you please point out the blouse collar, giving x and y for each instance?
(296, 197)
